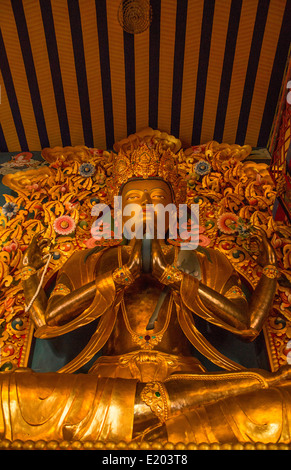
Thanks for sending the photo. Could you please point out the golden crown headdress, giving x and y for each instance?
(145, 162)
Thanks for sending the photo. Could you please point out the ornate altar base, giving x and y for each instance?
(234, 194)
(133, 446)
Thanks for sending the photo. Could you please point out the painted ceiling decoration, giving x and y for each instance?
(71, 74)
(135, 16)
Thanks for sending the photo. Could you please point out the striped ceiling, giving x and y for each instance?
(70, 75)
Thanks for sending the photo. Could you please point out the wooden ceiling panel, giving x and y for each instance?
(203, 70)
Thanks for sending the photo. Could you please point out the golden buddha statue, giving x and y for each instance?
(147, 385)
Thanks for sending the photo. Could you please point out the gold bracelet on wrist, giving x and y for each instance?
(27, 272)
(235, 292)
(155, 395)
(122, 276)
(60, 289)
(270, 271)
(171, 275)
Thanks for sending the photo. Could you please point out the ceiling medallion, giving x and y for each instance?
(135, 16)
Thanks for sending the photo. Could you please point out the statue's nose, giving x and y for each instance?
(146, 198)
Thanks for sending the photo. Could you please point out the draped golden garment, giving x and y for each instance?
(54, 406)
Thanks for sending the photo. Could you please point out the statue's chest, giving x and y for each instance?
(139, 304)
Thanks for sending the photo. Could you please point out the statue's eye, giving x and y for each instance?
(157, 196)
(132, 196)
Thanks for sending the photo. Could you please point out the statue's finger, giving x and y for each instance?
(37, 235)
(44, 242)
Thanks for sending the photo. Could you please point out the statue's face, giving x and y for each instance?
(143, 192)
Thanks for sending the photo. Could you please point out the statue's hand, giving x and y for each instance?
(34, 256)
(267, 253)
(135, 260)
(159, 263)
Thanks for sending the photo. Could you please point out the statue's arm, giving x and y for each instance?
(65, 304)
(39, 305)
(233, 311)
(33, 261)
(245, 319)
(248, 319)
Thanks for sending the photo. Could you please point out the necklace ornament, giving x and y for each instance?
(146, 341)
